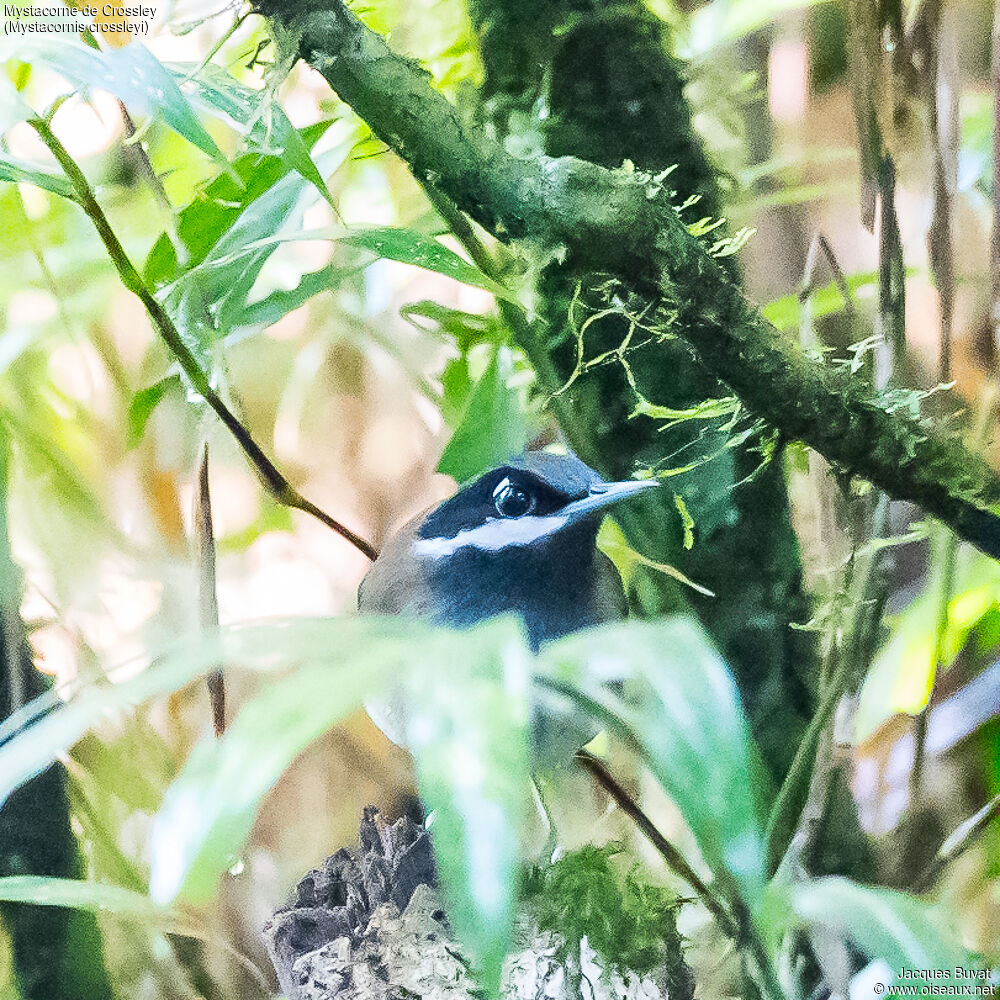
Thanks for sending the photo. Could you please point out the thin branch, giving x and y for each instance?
(793, 795)
(821, 245)
(134, 145)
(208, 599)
(891, 281)
(673, 858)
(273, 481)
(959, 841)
(617, 221)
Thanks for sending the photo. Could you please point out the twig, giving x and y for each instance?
(675, 861)
(208, 599)
(273, 481)
(153, 182)
(891, 280)
(960, 840)
(819, 245)
(792, 799)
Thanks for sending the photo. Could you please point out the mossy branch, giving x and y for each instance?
(615, 220)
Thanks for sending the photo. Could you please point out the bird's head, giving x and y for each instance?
(532, 502)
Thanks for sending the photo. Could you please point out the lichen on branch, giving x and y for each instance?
(616, 220)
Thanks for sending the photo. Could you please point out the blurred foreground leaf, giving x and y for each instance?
(131, 73)
(468, 731)
(726, 21)
(681, 707)
(466, 719)
(49, 731)
(902, 930)
(208, 811)
(95, 897)
(901, 677)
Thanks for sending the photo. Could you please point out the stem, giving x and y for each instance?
(995, 231)
(788, 805)
(274, 482)
(961, 838)
(208, 599)
(673, 858)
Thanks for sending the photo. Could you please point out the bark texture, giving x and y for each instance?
(369, 925)
(596, 79)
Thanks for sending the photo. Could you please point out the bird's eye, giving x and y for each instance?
(512, 500)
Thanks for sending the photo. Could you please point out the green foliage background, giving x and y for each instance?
(317, 286)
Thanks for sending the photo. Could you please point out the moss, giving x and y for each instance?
(630, 924)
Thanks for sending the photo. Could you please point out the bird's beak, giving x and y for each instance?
(604, 495)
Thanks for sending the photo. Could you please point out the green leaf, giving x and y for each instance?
(410, 247)
(208, 811)
(133, 74)
(687, 521)
(119, 768)
(902, 930)
(681, 708)
(259, 116)
(786, 313)
(468, 732)
(13, 169)
(707, 409)
(141, 408)
(96, 897)
(209, 298)
(466, 719)
(278, 304)
(494, 426)
(901, 677)
(466, 331)
(975, 157)
(47, 732)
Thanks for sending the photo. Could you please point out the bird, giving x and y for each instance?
(519, 539)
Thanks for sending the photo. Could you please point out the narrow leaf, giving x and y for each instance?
(681, 707)
(42, 732)
(494, 426)
(96, 897)
(410, 247)
(141, 408)
(258, 114)
(13, 169)
(468, 733)
(268, 310)
(133, 74)
(208, 811)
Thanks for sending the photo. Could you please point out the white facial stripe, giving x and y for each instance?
(496, 534)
